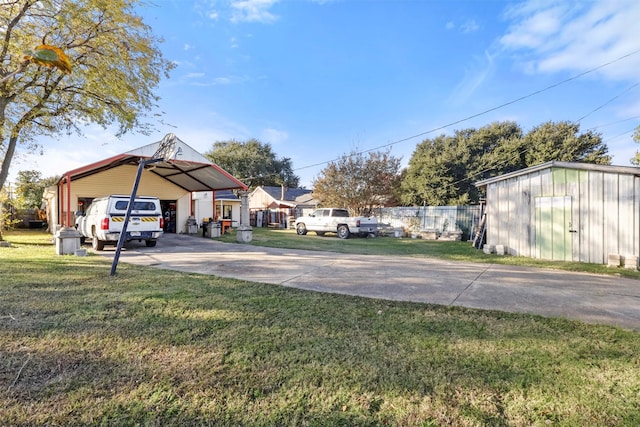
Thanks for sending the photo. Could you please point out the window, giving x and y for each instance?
(121, 205)
(226, 211)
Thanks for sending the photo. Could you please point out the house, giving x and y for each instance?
(274, 206)
(226, 206)
(174, 181)
(565, 211)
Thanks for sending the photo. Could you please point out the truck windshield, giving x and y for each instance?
(121, 205)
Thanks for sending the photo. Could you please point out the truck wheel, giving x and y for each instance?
(96, 244)
(343, 232)
(150, 243)
(301, 229)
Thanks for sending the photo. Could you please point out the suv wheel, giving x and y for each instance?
(96, 244)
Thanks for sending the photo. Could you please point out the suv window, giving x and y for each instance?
(121, 205)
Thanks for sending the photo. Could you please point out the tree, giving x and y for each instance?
(358, 182)
(562, 142)
(443, 171)
(29, 189)
(96, 62)
(636, 138)
(253, 163)
(28, 195)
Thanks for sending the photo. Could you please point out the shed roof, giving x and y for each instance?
(189, 169)
(626, 170)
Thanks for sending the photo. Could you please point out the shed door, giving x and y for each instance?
(553, 228)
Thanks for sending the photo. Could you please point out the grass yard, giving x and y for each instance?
(455, 251)
(152, 347)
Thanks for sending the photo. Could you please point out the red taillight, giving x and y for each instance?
(358, 223)
(162, 223)
(104, 224)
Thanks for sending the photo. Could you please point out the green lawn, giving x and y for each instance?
(152, 347)
(455, 251)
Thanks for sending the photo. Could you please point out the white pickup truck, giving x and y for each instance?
(334, 220)
(103, 221)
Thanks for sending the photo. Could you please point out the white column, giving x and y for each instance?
(244, 233)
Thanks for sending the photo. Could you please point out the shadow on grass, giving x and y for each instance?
(163, 347)
(167, 347)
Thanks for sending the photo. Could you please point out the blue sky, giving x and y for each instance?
(318, 79)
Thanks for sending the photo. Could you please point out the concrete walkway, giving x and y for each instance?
(590, 298)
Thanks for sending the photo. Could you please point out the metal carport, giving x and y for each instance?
(189, 171)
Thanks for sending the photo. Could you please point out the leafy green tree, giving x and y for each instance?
(562, 142)
(253, 163)
(28, 193)
(443, 171)
(29, 189)
(358, 182)
(636, 137)
(96, 62)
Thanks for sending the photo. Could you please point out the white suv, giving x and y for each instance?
(103, 221)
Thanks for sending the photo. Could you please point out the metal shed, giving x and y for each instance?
(565, 211)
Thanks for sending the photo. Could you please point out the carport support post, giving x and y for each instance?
(123, 233)
(244, 234)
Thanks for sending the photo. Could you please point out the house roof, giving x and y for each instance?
(226, 195)
(186, 168)
(292, 197)
(290, 193)
(626, 170)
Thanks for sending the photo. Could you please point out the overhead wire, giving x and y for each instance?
(524, 151)
(489, 110)
(608, 102)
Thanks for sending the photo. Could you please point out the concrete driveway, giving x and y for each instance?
(590, 298)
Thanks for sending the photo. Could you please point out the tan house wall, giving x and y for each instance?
(259, 199)
(120, 180)
(203, 207)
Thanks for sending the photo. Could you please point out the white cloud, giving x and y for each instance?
(201, 79)
(274, 136)
(481, 69)
(253, 11)
(575, 36)
(469, 26)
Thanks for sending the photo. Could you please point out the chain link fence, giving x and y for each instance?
(455, 222)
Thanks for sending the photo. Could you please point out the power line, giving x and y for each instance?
(608, 102)
(537, 92)
(614, 123)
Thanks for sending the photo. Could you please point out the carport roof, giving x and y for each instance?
(189, 170)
